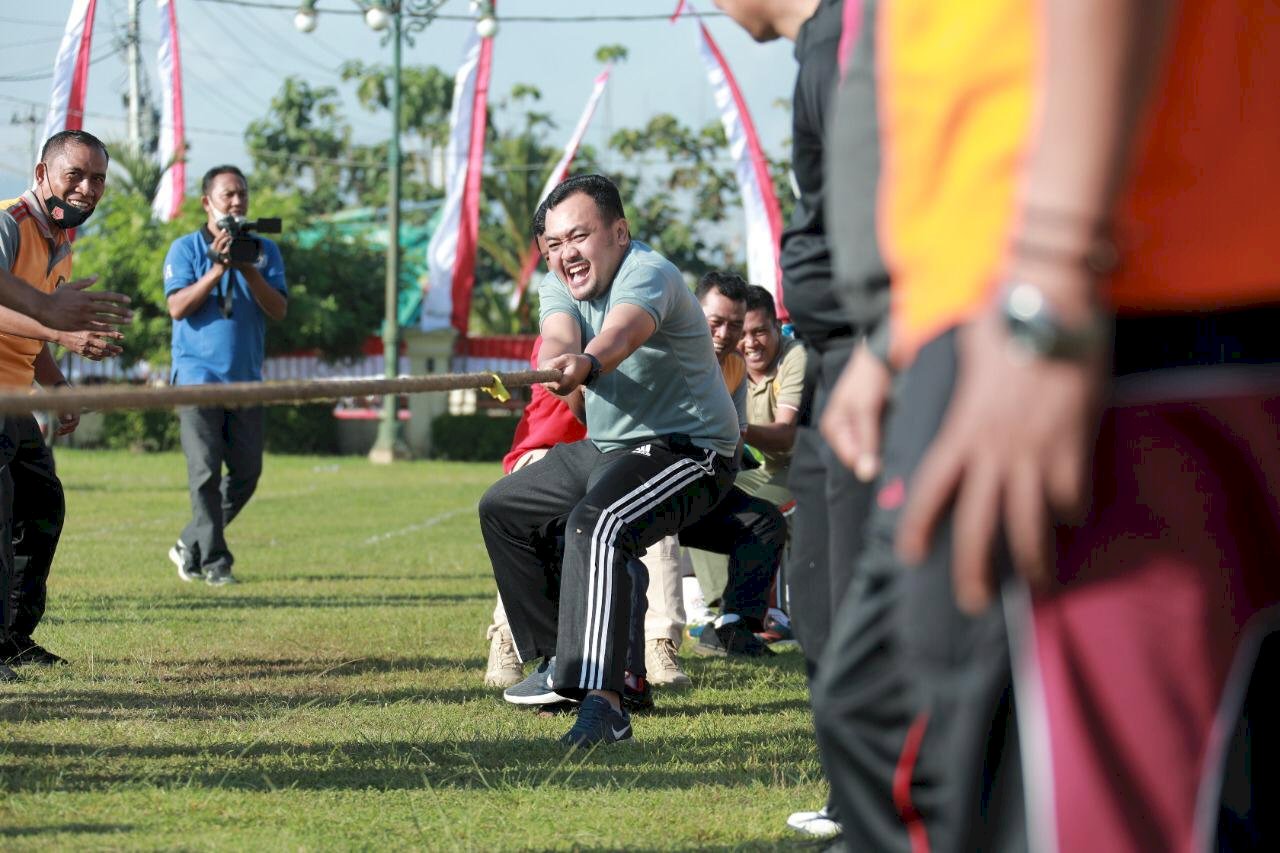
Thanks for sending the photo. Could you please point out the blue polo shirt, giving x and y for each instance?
(208, 346)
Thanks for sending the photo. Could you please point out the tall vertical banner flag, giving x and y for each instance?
(71, 71)
(760, 204)
(559, 173)
(173, 182)
(451, 254)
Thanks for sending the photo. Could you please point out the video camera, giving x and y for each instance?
(245, 247)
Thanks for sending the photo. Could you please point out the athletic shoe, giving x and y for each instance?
(637, 695)
(23, 651)
(597, 723)
(814, 824)
(178, 556)
(777, 628)
(663, 666)
(219, 576)
(535, 689)
(733, 638)
(504, 667)
(7, 675)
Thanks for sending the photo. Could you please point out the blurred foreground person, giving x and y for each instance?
(1078, 213)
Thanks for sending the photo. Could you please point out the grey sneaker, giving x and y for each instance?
(536, 687)
(178, 556)
(597, 723)
(731, 640)
(218, 576)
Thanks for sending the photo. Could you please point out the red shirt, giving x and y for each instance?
(546, 422)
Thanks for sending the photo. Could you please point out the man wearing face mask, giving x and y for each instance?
(35, 247)
(219, 309)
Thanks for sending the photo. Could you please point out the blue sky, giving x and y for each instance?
(235, 56)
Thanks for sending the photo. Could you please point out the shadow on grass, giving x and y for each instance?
(221, 600)
(498, 764)
(66, 828)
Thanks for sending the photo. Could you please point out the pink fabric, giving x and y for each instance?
(850, 30)
(1135, 646)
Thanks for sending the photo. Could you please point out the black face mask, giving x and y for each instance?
(63, 214)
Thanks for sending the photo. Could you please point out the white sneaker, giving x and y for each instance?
(504, 669)
(178, 556)
(662, 665)
(814, 824)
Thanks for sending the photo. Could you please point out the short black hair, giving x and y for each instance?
(759, 299)
(540, 220)
(206, 183)
(730, 285)
(54, 145)
(602, 191)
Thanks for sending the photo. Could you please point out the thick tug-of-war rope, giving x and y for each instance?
(237, 394)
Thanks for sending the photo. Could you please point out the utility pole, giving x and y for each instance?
(32, 120)
(134, 55)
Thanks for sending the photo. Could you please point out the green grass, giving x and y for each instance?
(333, 699)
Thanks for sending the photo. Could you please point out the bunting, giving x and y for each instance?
(760, 204)
(168, 201)
(451, 254)
(71, 71)
(558, 174)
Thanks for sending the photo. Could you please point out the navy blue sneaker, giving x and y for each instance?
(597, 723)
(536, 687)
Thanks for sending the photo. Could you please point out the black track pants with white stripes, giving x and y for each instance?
(615, 505)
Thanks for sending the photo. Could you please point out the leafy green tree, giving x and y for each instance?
(304, 142)
(426, 96)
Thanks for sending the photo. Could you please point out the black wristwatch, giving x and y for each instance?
(594, 373)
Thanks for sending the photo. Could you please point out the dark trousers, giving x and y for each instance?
(831, 511)
(212, 438)
(31, 514)
(912, 698)
(617, 504)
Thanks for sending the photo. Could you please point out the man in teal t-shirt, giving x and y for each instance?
(660, 454)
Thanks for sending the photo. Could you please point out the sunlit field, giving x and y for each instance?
(333, 698)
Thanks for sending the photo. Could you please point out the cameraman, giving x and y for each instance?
(218, 306)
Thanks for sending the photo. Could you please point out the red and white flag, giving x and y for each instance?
(759, 203)
(71, 71)
(168, 201)
(451, 254)
(559, 173)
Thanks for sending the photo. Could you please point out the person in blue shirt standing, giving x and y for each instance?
(219, 309)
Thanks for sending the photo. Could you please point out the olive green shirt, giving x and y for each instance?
(782, 388)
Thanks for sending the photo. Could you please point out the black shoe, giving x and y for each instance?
(637, 695)
(536, 687)
(23, 651)
(734, 638)
(597, 723)
(7, 675)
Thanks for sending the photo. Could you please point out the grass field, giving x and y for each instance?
(333, 699)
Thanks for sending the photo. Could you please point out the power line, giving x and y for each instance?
(502, 19)
(31, 23)
(42, 75)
